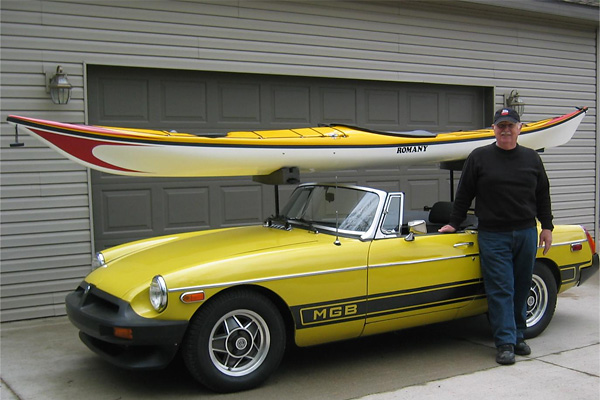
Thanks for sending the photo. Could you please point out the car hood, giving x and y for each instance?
(211, 256)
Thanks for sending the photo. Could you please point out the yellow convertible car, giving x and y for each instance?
(339, 262)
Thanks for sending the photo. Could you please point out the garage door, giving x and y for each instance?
(127, 208)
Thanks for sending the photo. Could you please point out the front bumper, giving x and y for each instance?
(96, 313)
(587, 273)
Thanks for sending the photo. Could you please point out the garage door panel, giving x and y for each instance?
(462, 109)
(186, 208)
(290, 104)
(238, 102)
(184, 101)
(338, 105)
(423, 110)
(127, 211)
(422, 192)
(123, 100)
(241, 205)
(382, 107)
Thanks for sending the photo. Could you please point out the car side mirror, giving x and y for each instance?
(416, 227)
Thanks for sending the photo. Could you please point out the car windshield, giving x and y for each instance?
(327, 207)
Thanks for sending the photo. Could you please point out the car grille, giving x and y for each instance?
(90, 297)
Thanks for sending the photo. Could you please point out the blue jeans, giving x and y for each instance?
(507, 260)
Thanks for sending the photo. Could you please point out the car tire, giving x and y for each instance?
(541, 302)
(235, 341)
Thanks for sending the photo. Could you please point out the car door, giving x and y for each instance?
(416, 279)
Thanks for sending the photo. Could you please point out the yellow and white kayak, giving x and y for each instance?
(154, 153)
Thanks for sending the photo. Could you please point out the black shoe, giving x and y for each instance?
(522, 348)
(505, 354)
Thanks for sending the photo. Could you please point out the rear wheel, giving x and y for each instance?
(234, 342)
(541, 302)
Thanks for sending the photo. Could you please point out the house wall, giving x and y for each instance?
(548, 54)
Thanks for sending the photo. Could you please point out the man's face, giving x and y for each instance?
(506, 134)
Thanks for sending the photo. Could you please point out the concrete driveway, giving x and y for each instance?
(44, 359)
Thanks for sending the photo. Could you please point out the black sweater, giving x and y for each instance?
(510, 186)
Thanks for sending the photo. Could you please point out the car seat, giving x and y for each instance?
(439, 215)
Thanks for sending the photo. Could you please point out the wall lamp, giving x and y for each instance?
(59, 87)
(515, 102)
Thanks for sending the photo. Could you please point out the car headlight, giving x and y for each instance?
(98, 261)
(158, 293)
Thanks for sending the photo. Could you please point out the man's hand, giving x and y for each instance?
(546, 239)
(447, 229)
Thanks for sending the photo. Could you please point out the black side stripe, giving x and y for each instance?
(571, 272)
(424, 298)
(397, 302)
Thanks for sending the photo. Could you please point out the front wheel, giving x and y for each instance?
(234, 342)
(541, 302)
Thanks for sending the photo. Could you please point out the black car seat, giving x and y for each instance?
(439, 215)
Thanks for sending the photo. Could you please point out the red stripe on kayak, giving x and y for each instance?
(81, 148)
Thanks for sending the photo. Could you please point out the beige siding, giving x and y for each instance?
(46, 227)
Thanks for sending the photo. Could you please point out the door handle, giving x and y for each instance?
(464, 244)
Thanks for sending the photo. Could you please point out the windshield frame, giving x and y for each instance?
(333, 227)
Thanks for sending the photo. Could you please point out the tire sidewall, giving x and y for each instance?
(195, 348)
(543, 272)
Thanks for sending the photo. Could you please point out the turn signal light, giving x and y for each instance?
(123, 333)
(576, 246)
(192, 297)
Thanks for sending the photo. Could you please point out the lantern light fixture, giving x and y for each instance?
(515, 102)
(59, 87)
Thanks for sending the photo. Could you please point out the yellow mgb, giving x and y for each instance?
(339, 262)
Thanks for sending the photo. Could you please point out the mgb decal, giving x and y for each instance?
(320, 314)
(334, 312)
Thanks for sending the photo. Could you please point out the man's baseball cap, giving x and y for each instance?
(506, 114)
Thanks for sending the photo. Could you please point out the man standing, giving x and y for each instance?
(511, 189)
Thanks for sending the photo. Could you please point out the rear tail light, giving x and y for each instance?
(590, 241)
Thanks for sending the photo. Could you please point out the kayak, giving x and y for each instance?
(155, 153)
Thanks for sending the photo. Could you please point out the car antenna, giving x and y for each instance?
(337, 224)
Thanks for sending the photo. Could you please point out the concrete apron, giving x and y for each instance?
(44, 359)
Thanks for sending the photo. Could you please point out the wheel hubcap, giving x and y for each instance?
(240, 342)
